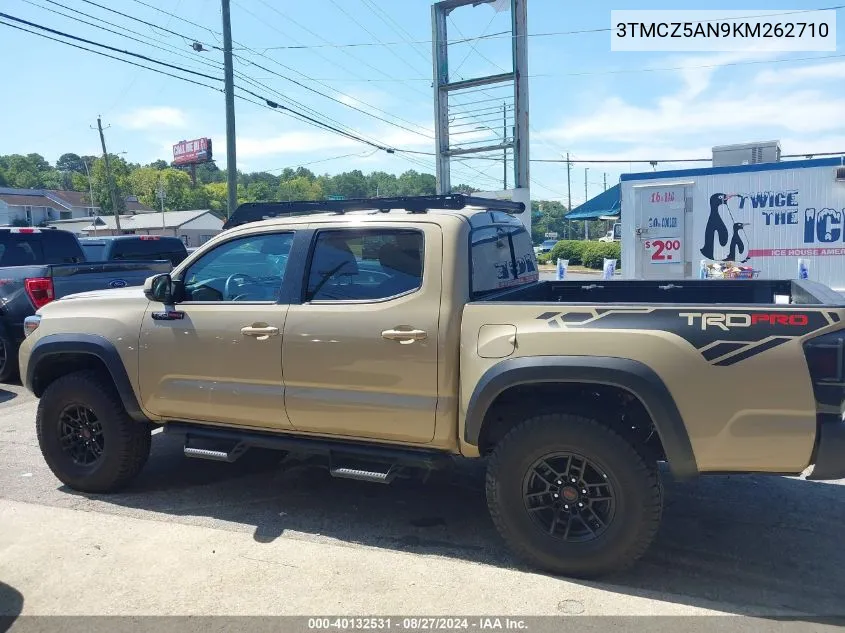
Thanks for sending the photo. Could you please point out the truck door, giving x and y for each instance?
(662, 247)
(360, 351)
(217, 355)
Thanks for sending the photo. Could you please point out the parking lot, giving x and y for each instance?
(195, 537)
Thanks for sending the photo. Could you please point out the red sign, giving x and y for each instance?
(192, 152)
(664, 251)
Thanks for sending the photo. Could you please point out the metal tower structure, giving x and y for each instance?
(451, 122)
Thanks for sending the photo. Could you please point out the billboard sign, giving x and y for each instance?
(192, 152)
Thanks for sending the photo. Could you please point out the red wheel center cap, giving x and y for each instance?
(569, 493)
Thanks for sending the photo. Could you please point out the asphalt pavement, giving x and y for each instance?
(265, 536)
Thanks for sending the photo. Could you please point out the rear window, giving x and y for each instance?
(171, 249)
(45, 247)
(94, 252)
(502, 256)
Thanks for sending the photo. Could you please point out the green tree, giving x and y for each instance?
(70, 163)
(300, 188)
(120, 173)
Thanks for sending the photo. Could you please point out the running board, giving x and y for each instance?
(372, 476)
(216, 456)
(355, 457)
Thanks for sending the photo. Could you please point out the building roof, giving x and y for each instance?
(605, 204)
(737, 169)
(16, 200)
(75, 225)
(73, 198)
(172, 220)
(57, 198)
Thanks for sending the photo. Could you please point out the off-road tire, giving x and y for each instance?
(636, 485)
(126, 442)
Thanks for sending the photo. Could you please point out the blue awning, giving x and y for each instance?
(606, 203)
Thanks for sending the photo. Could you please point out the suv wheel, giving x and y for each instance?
(87, 438)
(572, 497)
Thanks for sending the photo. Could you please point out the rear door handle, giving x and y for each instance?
(404, 336)
(261, 333)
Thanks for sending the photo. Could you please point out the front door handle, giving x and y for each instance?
(261, 333)
(404, 337)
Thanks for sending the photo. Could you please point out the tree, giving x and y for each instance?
(70, 163)
(120, 173)
(159, 164)
(300, 188)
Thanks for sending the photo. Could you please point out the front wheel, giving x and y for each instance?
(86, 437)
(571, 496)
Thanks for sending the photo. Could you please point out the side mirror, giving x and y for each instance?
(159, 288)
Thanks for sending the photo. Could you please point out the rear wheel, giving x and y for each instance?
(8, 359)
(86, 437)
(571, 496)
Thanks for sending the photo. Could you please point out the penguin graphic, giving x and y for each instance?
(736, 244)
(715, 225)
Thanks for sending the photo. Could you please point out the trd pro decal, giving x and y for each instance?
(723, 337)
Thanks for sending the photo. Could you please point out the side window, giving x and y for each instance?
(371, 264)
(502, 257)
(246, 269)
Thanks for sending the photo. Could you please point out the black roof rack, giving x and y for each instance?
(256, 211)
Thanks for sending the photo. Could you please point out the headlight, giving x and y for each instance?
(30, 324)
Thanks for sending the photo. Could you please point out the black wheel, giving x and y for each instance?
(8, 359)
(86, 437)
(572, 497)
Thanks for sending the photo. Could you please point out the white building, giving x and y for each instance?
(37, 206)
(194, 227)
(765, 216)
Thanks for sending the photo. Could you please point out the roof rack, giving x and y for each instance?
(257, 211)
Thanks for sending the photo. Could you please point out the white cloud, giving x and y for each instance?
(835, 70)
(152, 118)
(703, 110)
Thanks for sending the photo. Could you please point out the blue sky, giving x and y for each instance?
(584, 99)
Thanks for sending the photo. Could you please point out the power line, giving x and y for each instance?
(120, 59)
(111, 48)
(371, 106)
(508, 34)
(150, 24)
(371, 34)
(269, 103)
(241, 75)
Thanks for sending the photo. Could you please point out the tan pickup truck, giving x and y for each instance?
(394, 335)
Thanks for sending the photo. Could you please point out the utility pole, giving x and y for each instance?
(586, 197)
(161, 196)
(505, 140)
(114, 207)
(228, 77)
(568, 185)
(568, 182)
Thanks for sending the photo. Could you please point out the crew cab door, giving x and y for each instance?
(360, 350)
(217, 355)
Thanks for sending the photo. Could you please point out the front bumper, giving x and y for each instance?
(829, 457)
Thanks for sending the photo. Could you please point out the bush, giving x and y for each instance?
(568, 249)
(594, 254)
(544, 258)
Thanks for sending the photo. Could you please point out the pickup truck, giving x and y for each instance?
(40, 265)
(133, 248)
(447, 346)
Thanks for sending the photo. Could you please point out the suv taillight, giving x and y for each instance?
(39, 290)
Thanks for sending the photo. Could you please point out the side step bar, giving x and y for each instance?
(342, 454)
(217, 456)
(372, 476)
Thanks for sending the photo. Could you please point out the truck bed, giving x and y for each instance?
(744, 292)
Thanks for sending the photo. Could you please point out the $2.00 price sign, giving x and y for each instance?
(667, 250)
